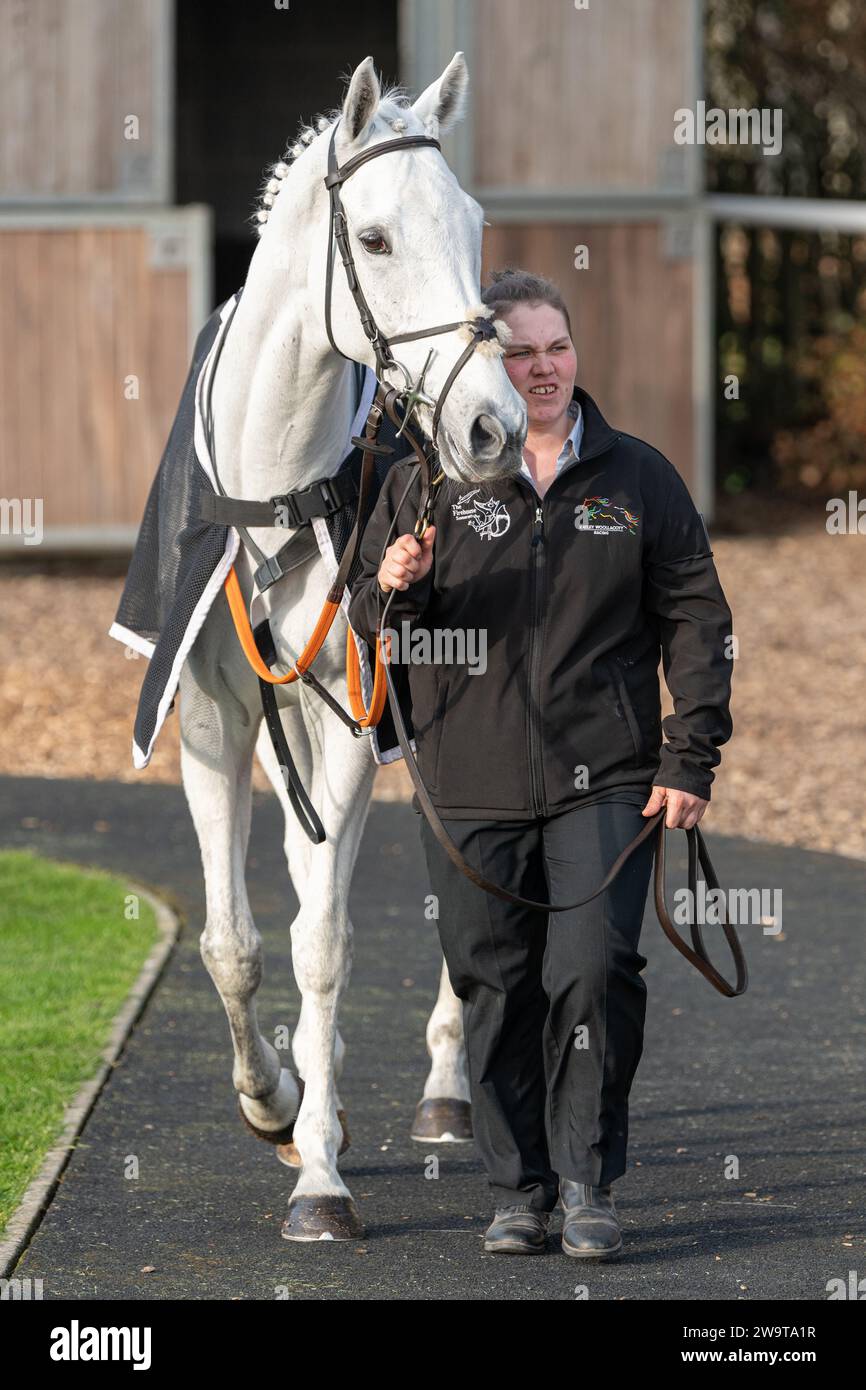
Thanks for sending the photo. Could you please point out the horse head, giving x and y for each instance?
(415, 238)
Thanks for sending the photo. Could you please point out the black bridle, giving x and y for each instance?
(482, 329)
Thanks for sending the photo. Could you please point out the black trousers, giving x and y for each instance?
(553, 1003)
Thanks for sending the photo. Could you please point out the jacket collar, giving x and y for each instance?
(597, 433)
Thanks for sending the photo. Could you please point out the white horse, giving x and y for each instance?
(283, 402)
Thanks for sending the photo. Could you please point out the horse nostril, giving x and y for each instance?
(487, 438)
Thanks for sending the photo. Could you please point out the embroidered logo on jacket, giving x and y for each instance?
(489, 517)
(604, 517)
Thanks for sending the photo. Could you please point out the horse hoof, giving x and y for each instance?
(288, 1153)
(274, 1136)
(322, 1218)
(442, 1120)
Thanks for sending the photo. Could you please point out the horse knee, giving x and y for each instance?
(234, 964)
(321, 958)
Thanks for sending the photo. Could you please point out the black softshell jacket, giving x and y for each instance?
(578, 596)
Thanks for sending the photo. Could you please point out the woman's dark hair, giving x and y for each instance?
(511, 286)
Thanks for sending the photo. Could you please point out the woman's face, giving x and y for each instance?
(540, 360)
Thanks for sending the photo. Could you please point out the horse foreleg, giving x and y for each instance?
(217, 738)
(297, 849)
(321, 1204)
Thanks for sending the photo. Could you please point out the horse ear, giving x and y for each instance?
(362, 99)
(443, 101)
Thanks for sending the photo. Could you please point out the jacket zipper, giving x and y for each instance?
(536, 770)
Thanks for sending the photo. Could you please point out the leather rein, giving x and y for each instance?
(323, 498)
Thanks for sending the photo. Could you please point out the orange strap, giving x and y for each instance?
(365, 719)
(353, 682)
(245, 634)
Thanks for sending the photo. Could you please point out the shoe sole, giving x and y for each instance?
(611, 1254)
(500, 1249)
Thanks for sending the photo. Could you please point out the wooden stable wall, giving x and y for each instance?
(86, 303)
(583, 100)
(631, 317)
(71, 73)
(91, 298)
(568, 140)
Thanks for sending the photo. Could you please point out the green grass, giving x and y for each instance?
(68, 957)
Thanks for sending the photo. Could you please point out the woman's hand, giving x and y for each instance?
(406, 561)
(684, 810)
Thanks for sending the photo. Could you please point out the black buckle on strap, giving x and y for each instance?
(287, 502)
(331, 493)
(322, 498)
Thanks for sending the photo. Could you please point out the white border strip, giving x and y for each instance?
(132, 639)
(204, 374)
(33, 1205)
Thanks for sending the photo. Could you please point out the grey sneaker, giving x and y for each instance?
(517, 1230)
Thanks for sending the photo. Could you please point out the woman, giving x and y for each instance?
(578, 574)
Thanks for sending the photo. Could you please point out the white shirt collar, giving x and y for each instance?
(571, 447)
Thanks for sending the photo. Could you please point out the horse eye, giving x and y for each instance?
(375, 243)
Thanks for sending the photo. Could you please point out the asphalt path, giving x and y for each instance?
(772, 1081)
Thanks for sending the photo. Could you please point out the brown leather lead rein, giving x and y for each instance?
(696, 953)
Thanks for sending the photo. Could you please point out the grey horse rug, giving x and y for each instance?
(180, 563)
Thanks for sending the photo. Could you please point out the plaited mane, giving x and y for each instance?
(394, 102)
